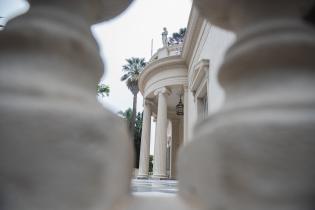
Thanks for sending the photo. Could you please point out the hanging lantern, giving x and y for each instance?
(180, 107)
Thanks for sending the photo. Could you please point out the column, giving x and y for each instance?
(185, 114)
(159, 165)
(145, 141)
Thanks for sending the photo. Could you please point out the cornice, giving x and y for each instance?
(162, 90)
(200, 72)
(158, 65)
(194, 30)
(164, 83)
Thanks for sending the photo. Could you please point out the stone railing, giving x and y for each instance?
(175, 49)
(60, 149)
(171, 50)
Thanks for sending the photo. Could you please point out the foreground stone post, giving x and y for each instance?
(59, 149)
(145, 141)
(159, 165)
(258, 151)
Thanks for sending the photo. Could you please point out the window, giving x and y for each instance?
(199, 86)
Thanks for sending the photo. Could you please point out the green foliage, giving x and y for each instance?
(177, 37)
(137, 137)
(138, 126)
(103, 89)
(138, 130)
(126, 114)
(132, 71)
(151, 163)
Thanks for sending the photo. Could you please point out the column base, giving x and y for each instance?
(142, 177)
(159, 177)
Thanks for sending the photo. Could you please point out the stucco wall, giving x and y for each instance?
(217, 42)
(211, 45)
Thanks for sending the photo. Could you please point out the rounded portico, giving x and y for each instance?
(162, 84)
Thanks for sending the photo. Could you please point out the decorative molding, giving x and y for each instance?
(158, 66)
(202, 89)
(163, 90)
(165, 82)
(148, 102)
(199, 74)
(194, 31)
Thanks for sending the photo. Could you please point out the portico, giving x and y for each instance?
(162, 83)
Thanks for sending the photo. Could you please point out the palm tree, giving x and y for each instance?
(132, 71)
(178, 38)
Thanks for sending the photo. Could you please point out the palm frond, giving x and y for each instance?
(124, 77)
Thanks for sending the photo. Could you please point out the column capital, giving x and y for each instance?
(148, 102)
(163, 90)
(186, 87)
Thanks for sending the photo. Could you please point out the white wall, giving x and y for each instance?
(192, 115)
(212, 45)
(217, 42)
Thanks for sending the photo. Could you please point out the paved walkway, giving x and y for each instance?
(154, 187)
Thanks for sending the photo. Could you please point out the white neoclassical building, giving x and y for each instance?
(186, 72)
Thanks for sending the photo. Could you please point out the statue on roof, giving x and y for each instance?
(164, 37)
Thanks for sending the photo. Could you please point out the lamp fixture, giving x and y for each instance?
(180, 107)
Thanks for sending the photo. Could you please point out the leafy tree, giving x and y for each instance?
(131, 74)
(137, 137)
(177, 37)
(126, 114)
(103, 89)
